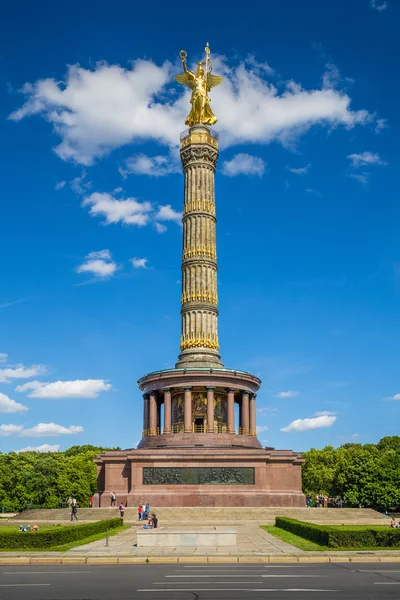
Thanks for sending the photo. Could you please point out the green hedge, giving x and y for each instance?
(13, 539)
(342, 536)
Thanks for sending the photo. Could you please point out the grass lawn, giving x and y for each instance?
(63, 547)
(302, 544)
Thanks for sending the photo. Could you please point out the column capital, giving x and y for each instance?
(253, 395)
(210, 387)
(187, 387)
(166, 389)
(146, 395)
(231, 390)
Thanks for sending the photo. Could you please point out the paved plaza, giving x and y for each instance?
(251, 541)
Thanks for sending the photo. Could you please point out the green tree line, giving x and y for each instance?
(46, 480)
(363, 475)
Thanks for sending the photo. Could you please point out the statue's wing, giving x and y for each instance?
(213, 80)
(184, 80)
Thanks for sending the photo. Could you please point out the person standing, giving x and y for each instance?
(91, 502)
(69, 502)
(147, 510)
(74, 511)
(121, 509)
(113, 499)
(140, 512)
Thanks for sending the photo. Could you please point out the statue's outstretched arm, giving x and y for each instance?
(190, 74)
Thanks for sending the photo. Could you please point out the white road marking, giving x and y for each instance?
(235, 590)
(42, 572)
(249, 576)
(386, 582)
(23, 584)
(378, 570)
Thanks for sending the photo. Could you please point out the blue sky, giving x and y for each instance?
(307, 203)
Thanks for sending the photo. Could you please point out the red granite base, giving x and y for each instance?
(277, 478)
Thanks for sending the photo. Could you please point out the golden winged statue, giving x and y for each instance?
(201, 83)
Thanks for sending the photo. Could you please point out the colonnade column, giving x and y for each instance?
(188, 409)
(244, 409)
(210, 409)
(153, 413)
(167, 411)
(146, 413)
(231, 411)
(252, 410)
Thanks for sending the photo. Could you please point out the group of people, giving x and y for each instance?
(24, 528)
(393, 524)
(321, 501)
(143, 511)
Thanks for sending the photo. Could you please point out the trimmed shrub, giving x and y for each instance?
(342, 536)
(13, 539)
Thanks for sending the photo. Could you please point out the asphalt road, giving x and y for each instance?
(201, 582)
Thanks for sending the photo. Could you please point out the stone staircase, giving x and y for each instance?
(211, 516)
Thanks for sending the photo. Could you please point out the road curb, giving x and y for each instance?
(140, 560)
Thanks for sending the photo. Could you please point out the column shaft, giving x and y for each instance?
(146, 413)
(231, 411)
(167, 411)
(153, 413)
(252, 410)
(188, 410)
(210, 409)
(245, 413)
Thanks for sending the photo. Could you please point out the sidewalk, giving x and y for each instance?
(253, 545)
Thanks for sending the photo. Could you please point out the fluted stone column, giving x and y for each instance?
(199, 313)
(245, 413)
(167, 411)
(153, 413)
(252, 410)
(231, 411)
(146, 413)
(188, 409)
(210, 409)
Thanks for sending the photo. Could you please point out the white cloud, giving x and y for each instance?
(8, 405)
(390, 398)
(160, 227)
(288, 394)
(21, 372)
(94, 111)
(139, 263)
(314, 192)
(50, 430)
(379, 5)
(262, 428)
(129, 211)
(6, 430)
(380, 124)
(267, 410)
(243, 164)
(324, 413)
(60, 185)
(155, 166)
(366, 158)
(79, 185)
(80, 388)
(361, 177)
(42, 448)
(99, 264)
(3, 357)
(313, 423)
(300, 171)
(167, 213)
(332, 77)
